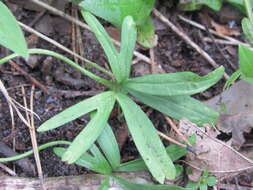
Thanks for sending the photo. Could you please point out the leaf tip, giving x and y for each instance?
(41, 128)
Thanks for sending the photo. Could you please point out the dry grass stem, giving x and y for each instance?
(187, 39)
(30, 119)
(174, 127)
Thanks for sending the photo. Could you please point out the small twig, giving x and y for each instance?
(30, 119)
(216, 171)
(170, 139)
(73, 35)
(8, 170)
(34, 140)
(193, 23)
(174, 127)
(247, 145)
(12, 132)
(136, 60)
(33, 80)
(80, 44)
(187, 40)
(78, 22)
(37, 18)
(12, 103)
(219, 41)
(152, 58)
(205, 17)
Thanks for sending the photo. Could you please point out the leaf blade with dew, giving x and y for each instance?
(173, 84)
(108, 144)
(146, 140)
(91, 132)
(179, 107)
(105, 41)
(75, 111)
(11, 35)
(128, 40)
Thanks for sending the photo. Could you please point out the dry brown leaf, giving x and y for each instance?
(212, 154)
(222, 29)
(237, 124)
(237, 113)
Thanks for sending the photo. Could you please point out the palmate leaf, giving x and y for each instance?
(91, 132)
(173, 84)
(11, 36)
(179, 107)
(75, 111)
(146, 140)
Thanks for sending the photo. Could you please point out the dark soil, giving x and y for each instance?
(171, 53)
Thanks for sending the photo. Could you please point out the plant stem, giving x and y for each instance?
(248, 9)
(66, 60)
(42, 147)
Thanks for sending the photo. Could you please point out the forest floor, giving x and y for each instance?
(61, 86)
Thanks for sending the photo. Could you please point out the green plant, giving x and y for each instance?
(104, 158)
(197, 4)
(154, 88)
(108, 161)
(246, 66)
(243, 5)
(205, 180)
(114, 11)
(245, 72)
(11, 36)
(213, 4)
(245, 54)
(168, 93)
(247, 22)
